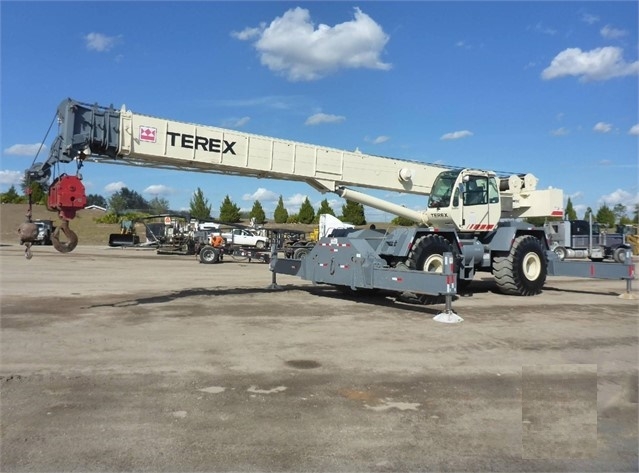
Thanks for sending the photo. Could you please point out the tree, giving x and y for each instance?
(199, 206)
(126, 199)
(257, 213)
(635, 214)
(159, 205)
(281, 214)
(11, 196)
(569, 212)
(620, 212)
(588, 214)
(306, 213)
(403, 222)
(229, 212)
(353, 212)
(39, 192)
(117, 203)
(605, 216)
(95, 199)
(325, 208)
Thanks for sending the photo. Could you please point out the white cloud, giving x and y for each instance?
(11, 178)
(294, 201)
(609, 32)
(157, 190)
(236, 122)
(293, 46)
(588, 18)
(25, 150)
(381, 139)
(320, 118)
(114, 187)
(100, 42)
(543, 29)
(456, 135)
(602, 127)
(620, 196)
(634, 130)
(560, 132)
(261, 194)
(598, 64)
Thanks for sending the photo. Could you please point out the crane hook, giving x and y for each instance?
(72, 239)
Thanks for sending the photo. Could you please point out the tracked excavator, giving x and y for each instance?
(472, 221)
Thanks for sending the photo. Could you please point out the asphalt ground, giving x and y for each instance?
(124, 360)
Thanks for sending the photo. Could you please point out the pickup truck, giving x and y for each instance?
(244, 237)
(45, 230)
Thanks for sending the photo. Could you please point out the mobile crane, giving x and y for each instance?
(472, 221)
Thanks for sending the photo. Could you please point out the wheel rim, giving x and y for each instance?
(531, 266)
(434, 264)
(561, 253)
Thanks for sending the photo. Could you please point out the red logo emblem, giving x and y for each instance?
(148, 134)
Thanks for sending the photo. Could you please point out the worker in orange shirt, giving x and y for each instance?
(217, 241)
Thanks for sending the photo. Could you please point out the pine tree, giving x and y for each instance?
(324, 208)
(353, 212)
(281, 214)
(159, 205)
(306, 213)
(229, 212)
(199, 206)
(605, 216)
(257, 213)
(569, 212)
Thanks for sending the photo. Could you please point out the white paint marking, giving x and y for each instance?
(213, 389)
(279, 389)
(402, 406)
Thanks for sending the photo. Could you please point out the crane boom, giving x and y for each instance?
(124, 137)
(93, 132)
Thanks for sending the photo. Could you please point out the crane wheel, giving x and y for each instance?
(209, 255)
(523, 272)
(427, 254)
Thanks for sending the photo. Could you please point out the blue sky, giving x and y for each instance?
(548, 88)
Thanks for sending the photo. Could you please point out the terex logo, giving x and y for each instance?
(212, 145)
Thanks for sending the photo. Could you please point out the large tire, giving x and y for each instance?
(523, 272)
(260, 245)
(427, 254)
(209, 255)
(619, 255)
(561, 253)
(301, 253)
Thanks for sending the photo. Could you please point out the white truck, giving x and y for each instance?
(45, 231)
(473, 220)
(245, 237)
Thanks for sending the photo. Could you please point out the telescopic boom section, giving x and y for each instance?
(92, 132)
(124, 137)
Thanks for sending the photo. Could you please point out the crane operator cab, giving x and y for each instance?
(467, 200)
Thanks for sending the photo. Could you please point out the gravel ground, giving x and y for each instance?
(124, 360)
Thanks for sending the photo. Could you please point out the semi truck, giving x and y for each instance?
(473, 221)
(585, 239)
